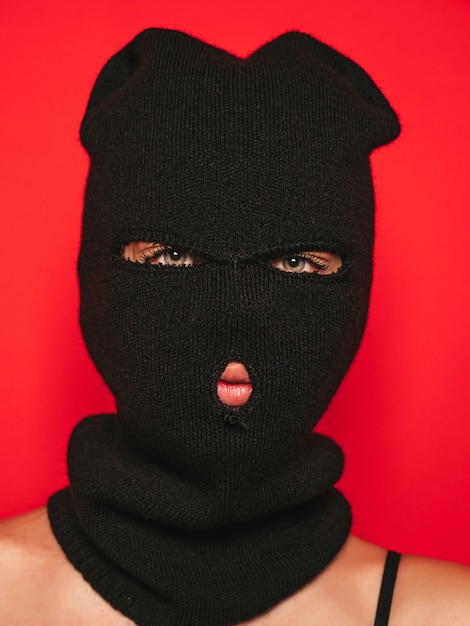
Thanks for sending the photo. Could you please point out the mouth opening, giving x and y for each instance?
(234, 385)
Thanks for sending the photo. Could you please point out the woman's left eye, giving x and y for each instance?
(158, 254)
(169, 256)
(308, 262)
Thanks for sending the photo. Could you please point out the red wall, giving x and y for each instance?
(402, 413)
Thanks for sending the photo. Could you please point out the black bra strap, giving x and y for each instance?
(386, 590)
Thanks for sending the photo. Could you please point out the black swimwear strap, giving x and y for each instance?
(386, 590)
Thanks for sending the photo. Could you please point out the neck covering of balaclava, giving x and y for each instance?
(180, 510)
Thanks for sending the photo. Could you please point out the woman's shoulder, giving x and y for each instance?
(427, 591)
(431, 591)
(26, 549)
(37, 583)
(25, 566)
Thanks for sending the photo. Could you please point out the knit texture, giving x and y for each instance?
(182, 511)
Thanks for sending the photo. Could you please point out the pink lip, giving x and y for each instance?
(234, 385)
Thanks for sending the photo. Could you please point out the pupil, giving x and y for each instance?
(175, 256)
(293, 263)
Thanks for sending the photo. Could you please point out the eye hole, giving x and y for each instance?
(158, 254)
(308, 262)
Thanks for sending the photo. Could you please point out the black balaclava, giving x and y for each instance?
(182, 511)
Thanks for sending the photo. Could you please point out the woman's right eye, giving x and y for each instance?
(158, 254)
(313, 262)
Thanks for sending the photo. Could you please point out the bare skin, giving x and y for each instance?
(39, 586)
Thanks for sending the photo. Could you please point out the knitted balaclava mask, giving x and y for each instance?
(186, 511)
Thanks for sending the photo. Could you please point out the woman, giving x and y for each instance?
(225, 270)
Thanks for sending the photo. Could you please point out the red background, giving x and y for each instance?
(402, 413)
